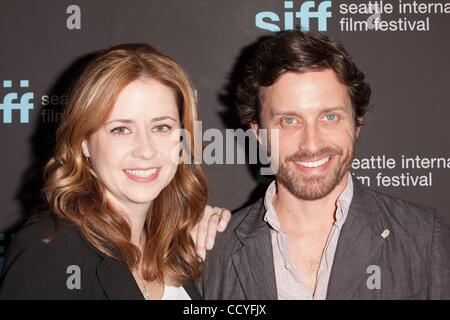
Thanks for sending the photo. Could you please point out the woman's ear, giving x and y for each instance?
(85, 149)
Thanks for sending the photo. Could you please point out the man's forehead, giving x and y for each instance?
(319, 87)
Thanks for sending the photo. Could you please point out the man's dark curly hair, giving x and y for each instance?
(299, 52)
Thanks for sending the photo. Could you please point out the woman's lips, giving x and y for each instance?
(142, 175)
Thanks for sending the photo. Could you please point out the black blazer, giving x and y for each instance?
(35, 269)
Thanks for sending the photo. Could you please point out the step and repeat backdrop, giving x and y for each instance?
(403, 46)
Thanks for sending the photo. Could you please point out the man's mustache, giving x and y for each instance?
(305, 155)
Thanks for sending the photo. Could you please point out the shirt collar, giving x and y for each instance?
(271, 217)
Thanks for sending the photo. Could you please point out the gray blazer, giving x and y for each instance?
(414, 260)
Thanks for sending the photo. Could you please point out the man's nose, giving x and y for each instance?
(311, 138)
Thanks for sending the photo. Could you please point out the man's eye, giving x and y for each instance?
(331, 117)
(162, 128)
(288, 120)
(120, 130)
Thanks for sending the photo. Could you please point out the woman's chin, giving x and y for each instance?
(143, 198)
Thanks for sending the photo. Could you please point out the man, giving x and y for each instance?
(318, 233)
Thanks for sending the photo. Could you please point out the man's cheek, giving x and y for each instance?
(344, 139)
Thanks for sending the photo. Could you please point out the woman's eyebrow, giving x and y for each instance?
(132, 121)
(120, 120)
(163, 118)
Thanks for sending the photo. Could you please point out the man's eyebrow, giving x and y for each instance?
(337, 108)
(293, 113)
(283, 113)
(132, 121)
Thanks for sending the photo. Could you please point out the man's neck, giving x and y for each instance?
(302, 217)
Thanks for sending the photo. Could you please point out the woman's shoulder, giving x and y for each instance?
(45, 240)
(41, 257)
(50, 240)
(49, 230)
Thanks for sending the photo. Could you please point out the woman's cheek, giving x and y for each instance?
(169, 148)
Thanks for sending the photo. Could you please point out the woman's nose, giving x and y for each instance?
(144, 147)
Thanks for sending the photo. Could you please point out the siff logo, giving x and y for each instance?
(267, 20)
(10, 102)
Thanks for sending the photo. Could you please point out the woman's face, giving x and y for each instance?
(132, 152)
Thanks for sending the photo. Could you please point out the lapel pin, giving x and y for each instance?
(385, 233)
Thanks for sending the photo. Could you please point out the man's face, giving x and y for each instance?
(317, 133)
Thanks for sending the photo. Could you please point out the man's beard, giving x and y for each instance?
(316, 186)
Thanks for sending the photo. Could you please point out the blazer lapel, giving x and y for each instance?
(117, 280)
(254, 260)
(359, 243)
(192, 291)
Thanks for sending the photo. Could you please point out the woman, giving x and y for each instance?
(122, 207)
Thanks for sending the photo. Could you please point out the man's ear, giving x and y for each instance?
(358, 128)
(85, 149)
(255, 128)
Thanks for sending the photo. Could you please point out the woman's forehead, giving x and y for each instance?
(145, 99)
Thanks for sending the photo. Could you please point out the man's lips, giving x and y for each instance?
(317, 165)
(314, 163)
(142, 174)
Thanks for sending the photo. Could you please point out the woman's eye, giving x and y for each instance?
(120, 130)
(162, 128)
(330, 117)
(288, 120)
